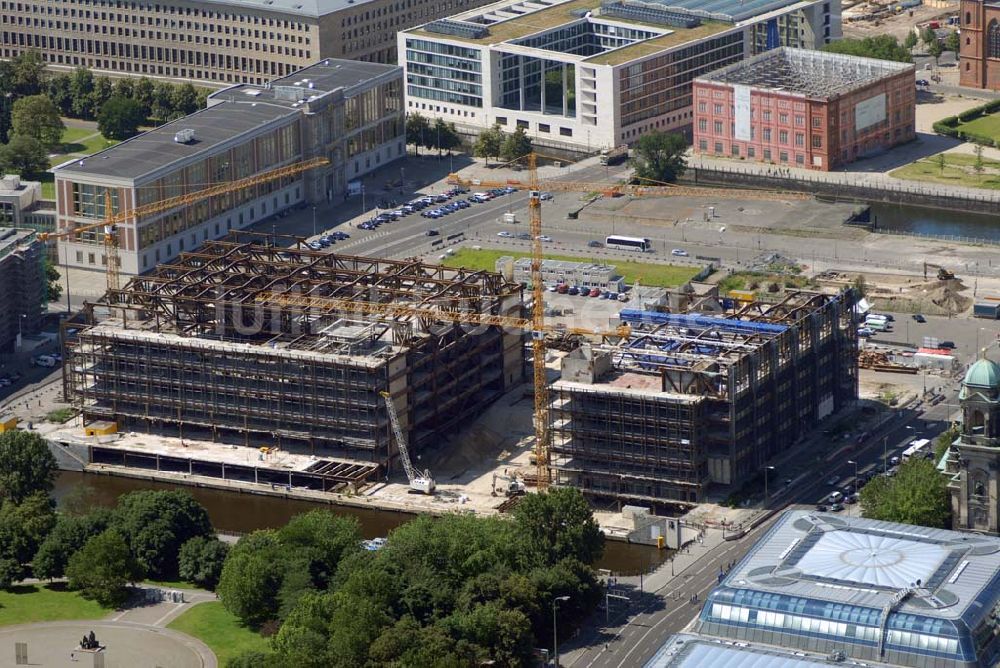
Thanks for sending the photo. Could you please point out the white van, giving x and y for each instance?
(836, 497)
(45, 360)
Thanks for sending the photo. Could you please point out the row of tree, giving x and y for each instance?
(449, 591)
(495, 143)
(32, 97)
(441, 136)
(155, 534)
(917, 494)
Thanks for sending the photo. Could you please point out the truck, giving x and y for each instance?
(990, 310)
(614, 156)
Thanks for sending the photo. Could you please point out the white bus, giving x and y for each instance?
(639, 244)
(916, 448)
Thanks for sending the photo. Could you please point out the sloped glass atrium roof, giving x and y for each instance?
(872, 559)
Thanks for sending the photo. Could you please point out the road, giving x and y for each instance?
(658, 615)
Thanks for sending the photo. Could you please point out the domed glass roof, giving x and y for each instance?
(984, 373)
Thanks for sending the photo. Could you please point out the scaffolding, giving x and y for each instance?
(814, 74)
(188, 351)
(693, 399)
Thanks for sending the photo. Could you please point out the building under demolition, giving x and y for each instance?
(204, 348)
(699, 396)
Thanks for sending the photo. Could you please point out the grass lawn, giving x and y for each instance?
(988, 125)
(958, 170)
(173, 584)
(24, 604)
(658, 275)
(73, 135)
(219, 629)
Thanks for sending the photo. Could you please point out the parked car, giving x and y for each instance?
(544, 196)
(562, 288)
(524, 236)
(865, 331)
(923, 82)
(573, 290)
(432, 233)
(836, 507)
(919, 317)
(950, 345)
(594, 243)
(595, 292)
(821, 507)
(545, 237)
(505, 234)
(315, 245)
(833, 480)
(679, 252)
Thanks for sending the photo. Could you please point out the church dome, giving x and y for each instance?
(984, 373)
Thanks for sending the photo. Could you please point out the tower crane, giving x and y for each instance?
(111, 231)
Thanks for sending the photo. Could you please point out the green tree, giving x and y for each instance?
(861, 285)
(156, 523)
(23, 155)
(506, 633)
(125, 87)
(935, 49)
(928, 36)
(184, 98)
(417, 128)
(944, 441)
(322, 539)
(120, 118)
(251, 658)
(559, 524)
(81, 87)
(941, 162)
(29, 73)
(53, 289)
(23, 527)
(489, 144)
(515, 145)
(952, 42)
(978, 166)
(145, 92)
(917, 494)
(104, 90)
(444, 136)
(883, 47)
(910, 40)
(659, 156)
(26, 465)
(163, 101)
(200, 561)
(102, 568)
(36, 116)
(251, 577)
(59, 89)
(69, 535)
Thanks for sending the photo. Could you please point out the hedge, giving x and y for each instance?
(949, 126)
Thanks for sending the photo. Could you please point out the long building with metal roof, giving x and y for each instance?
(865, 590)
(592, 74)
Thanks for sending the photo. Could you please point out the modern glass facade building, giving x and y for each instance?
(587, 74)
(872, 591)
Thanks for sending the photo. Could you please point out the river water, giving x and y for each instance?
(242, 513)
(936, 222)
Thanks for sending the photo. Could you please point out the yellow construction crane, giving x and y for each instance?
(112, 219)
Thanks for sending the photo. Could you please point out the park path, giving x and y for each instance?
(162, 612)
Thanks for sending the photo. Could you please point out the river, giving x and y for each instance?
(936, 222)
(242, 513)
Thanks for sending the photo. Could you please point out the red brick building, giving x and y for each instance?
(979, 53)
(801, 108)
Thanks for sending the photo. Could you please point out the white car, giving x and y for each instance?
(505, 234)
(544, 237)
(545, 196)
(679, 252)
(833, 480)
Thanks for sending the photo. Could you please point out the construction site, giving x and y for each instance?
(703, 394)
(198, 350)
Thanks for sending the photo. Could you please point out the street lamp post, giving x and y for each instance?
(314, 220)
(19, 332)
(885, 454)
(555, 638)
(766, 495)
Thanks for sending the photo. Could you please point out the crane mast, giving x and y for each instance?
(421, 482)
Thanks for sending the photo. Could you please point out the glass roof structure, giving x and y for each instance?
(882, 561)
(717, 10)
(874, 591)
(691, 651)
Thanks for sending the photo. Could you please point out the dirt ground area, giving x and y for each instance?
(896, 25)
(907, 294)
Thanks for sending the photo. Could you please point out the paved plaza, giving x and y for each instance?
(55, 645)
